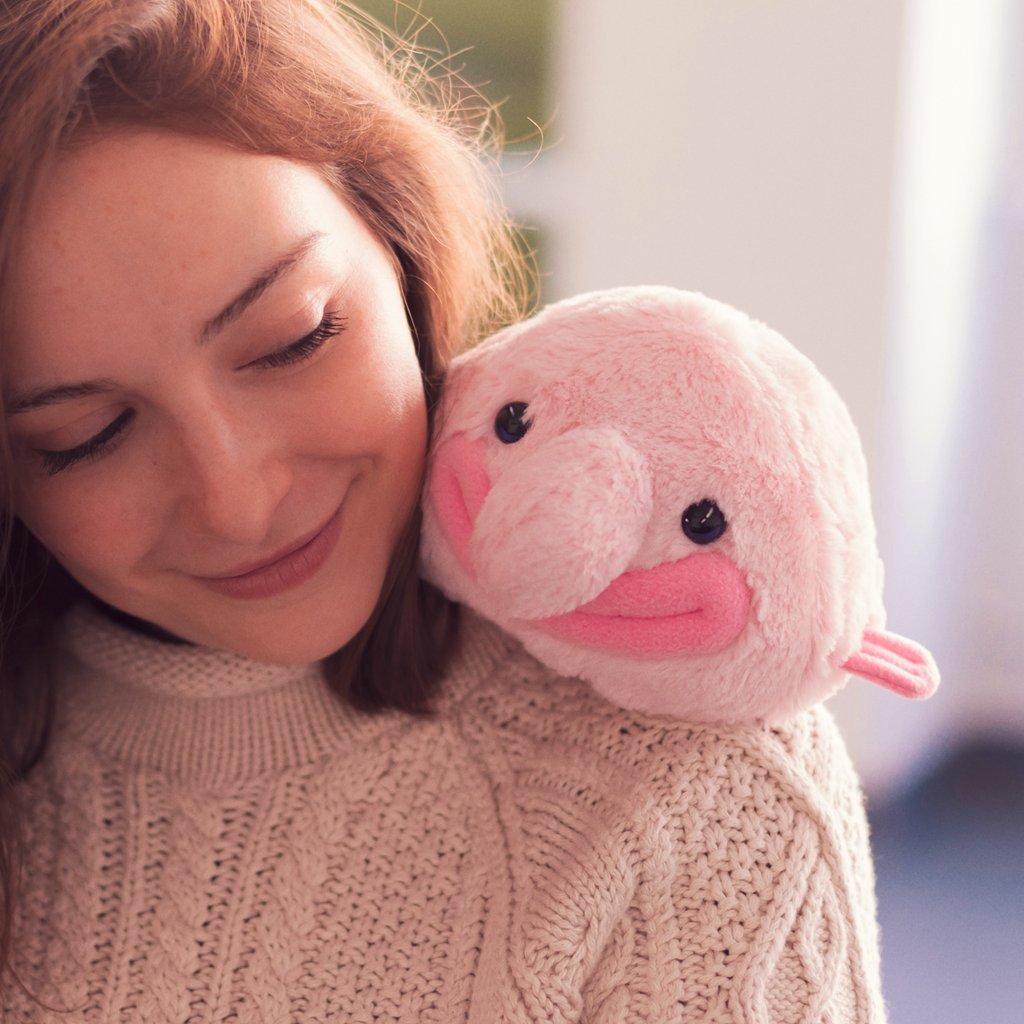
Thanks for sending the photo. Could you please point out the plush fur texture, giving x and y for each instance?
(641, 403)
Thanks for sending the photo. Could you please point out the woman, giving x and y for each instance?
(253, 776)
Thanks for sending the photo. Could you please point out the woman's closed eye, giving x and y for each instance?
(104, 442)
(329, 327)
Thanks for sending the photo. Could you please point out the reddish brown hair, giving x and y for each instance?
(303, 79)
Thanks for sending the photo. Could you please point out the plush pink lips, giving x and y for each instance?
(282, 571)
(698, 604)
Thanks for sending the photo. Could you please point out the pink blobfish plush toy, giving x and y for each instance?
(658, 494)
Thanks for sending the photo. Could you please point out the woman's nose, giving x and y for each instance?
(232, 476)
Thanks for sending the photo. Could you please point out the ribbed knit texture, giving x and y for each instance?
(216, 840)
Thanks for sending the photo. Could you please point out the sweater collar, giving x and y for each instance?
(203, 716)
(208, 716)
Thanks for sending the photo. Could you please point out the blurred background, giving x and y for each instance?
(853, 174)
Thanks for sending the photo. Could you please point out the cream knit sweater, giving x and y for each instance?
(217, 840)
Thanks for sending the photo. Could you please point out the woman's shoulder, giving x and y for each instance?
(660, 862)
(538, 724)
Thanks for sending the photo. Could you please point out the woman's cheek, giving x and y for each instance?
(92, 520)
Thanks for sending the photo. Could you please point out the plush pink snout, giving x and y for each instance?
(457, 488)
(555, 526)
(552, 541)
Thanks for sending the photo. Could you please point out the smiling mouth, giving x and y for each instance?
(282, 571)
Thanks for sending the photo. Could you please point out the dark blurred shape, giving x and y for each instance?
(503, 49)
(950, 863)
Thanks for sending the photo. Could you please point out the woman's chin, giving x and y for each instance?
(288, 640)
(298, 634)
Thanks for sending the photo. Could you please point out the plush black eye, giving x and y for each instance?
(704, 522)
(509, 424)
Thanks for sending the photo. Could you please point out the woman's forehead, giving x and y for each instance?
(146, 192)
(149, 225)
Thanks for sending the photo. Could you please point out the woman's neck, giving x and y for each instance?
(137, 625)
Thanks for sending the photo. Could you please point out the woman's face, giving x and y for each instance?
(213, 398)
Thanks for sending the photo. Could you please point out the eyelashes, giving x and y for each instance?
(54, 462)
(331, 325)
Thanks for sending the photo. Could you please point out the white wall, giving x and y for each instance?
(954, 482)
(743, 148)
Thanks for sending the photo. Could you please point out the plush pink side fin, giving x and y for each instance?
(893, 661)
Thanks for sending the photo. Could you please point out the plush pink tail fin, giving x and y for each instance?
(893, 661)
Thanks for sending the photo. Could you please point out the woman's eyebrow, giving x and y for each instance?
(61, 393)
(232, 311)
(238, 305)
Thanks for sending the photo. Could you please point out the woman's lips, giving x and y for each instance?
(284, 571)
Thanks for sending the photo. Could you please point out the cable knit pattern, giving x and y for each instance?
(212, 840)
